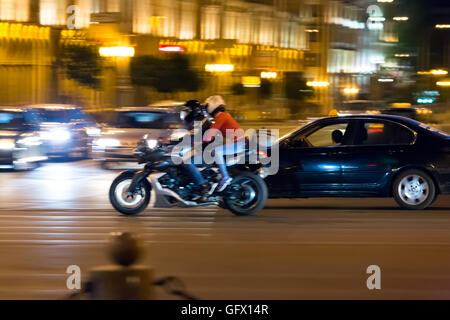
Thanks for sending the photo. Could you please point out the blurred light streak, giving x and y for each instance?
(443, 83)
(116, 51)
(319, 84)
(350, 91)
(268, 75)
(385, 80)
(401, 18)
(171, 48)
(219, 67)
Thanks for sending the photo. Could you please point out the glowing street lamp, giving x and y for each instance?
(386, 80)
(219, 67)
(442, 26)
(317, 84)
(401, 18)
(350, 91)
(116, 51)
(439, 72)
(385, 1)
(434, 72)
(445, 83)
(268, 75)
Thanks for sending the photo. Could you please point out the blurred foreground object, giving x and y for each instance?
(123, 280)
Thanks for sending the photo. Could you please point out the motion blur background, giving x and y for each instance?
(271, 59)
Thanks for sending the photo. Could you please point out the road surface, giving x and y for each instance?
(59, 215)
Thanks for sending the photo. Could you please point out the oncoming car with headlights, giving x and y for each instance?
(127, 126)
(66, 130)
(20, 143)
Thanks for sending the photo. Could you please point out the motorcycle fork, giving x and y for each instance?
(138, 177)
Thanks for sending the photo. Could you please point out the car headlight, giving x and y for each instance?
(93, 132)
(152, 143)
(107, 142)
(56, 135)
(7, 144)
(183, 115)
(30, 141)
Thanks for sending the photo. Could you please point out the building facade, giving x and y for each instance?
(329, 42)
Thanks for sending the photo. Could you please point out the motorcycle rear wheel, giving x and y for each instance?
(125, 203)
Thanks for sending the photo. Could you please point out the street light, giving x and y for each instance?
(445, 83)
(401, 18)
(219, 67)
(442, 26)
(351, 91)
(116, 51)
(385, 1)
(318, 84)
(434, 72)
(439, 72)
(268, 75)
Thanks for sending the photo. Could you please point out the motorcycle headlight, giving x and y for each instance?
(152, 143)
(106, 142)
(183, 115)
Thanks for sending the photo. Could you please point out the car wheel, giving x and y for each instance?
(414, 190)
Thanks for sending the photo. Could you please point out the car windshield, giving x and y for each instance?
(147, 120)
(11, 120)
(61, 115)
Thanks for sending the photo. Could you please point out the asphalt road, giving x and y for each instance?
(59, 215)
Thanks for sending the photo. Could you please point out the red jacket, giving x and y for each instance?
(223, 122)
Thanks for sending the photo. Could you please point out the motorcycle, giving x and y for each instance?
(163, 183)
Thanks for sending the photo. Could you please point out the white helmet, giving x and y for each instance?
(213, 103)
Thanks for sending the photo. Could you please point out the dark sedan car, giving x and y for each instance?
(66, 130)
(364, 156)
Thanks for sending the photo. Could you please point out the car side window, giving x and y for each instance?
(331, 135)
(383, 133)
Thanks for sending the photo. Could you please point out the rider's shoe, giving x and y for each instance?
(224, 183)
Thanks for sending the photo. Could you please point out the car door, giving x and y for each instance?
(315, 158)
(379, 146)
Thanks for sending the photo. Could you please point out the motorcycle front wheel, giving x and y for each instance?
(125, 202)
(248, 194)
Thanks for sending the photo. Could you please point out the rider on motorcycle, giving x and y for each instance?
(225, 123)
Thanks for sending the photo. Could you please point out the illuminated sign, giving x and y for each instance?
(171, 48)
(376, 18)
(251, 81)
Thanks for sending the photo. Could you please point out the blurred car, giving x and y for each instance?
(409, 111)
(364, 156)
(355, 107)
(21, 146)
(66, 130)
(129, 124)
